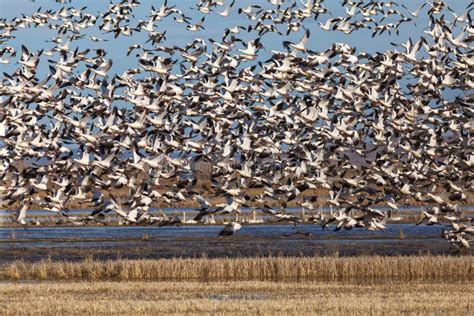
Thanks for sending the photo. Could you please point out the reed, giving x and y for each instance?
(401, 236)
(261, 269)
(12, 236)
(146, 237)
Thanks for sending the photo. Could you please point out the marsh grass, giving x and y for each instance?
(262, 269)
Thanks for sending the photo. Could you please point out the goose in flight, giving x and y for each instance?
(300, 46)
(291, 125)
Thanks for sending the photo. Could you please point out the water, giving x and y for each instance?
(105, 242)
(197, 231)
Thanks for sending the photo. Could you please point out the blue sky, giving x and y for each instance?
(176, 33)
(35, 38)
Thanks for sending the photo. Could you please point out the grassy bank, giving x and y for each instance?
(261, 269)
(256, 297)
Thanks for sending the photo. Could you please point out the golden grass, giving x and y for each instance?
(262, 269)
(256, 297)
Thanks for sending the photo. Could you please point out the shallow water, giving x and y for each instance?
(75, 243)
(31, 235)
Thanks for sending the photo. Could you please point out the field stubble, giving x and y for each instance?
(355, 285)
(236, 297)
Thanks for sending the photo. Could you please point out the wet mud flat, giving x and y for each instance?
(132, 242)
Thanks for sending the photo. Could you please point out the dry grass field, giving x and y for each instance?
(234, 297)
(325, 285)
(330, 268)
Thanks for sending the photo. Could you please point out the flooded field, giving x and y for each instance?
(76, 243)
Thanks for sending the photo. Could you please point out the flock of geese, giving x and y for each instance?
(389, 128)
